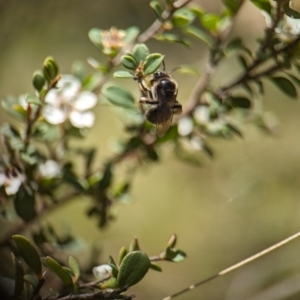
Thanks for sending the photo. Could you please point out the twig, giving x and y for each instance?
(158, 24)
(97, 296)
(236, 266)
(38, 287)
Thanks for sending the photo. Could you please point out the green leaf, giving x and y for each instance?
(122, 253)
(172, 38)
(96, 37)
(33, 100)
(155, 5)
(241, 102)
(54, 266)
(140, 52)
(186, 69)
(234, 44)
(24, 203)
(123, 74)
(114, 266)
(134, 245)
(50, 68)
(131, 34)
(12, 106)
(183, 17)
(129, 62)
(19, 280)
(263, 5)
(152, 63)
(134, 267)
(243, 61)
(295, 79)
(31, 279)
(290, 12)
(74, 266)
(29, 254)
(232, 5)
(106, 178)
(155, 267)
(200, 34)
(38, 80)
(210, 21)
(174, 255)
(118, 95)
(285, 85)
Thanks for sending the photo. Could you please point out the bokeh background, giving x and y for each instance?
(240, 202)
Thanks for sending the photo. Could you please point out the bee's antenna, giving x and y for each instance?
(164, 65)
(175, 69)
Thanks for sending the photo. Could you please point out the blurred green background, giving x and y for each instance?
(237, 204)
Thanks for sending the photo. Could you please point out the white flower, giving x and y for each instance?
(185, 126)
(102, 272)
(49, 169)
(11, 181)
(196, 143)
(291, 25)
(201, 114)
(68, 102)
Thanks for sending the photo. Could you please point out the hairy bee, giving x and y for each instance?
(161, 93)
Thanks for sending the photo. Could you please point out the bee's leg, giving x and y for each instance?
(151, 115)
(177, 108)
(145, 100)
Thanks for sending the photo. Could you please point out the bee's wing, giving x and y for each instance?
(164, 116)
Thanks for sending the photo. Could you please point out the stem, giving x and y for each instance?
(97, 296)
(236, 266)
(157, 25)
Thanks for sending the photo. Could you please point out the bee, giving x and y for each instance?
(161, 94)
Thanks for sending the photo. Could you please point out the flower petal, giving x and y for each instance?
(82, 119)
(102, 271)
(13, 185)
(54, 115)
(49, 169)
(185, 126)
(85, 100)
(68, 86)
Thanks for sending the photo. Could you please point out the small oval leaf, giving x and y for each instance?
(74, 266)
(140, 52)
(200, 34)
(123, 74)
(133, 268)
(155, 267)
(29, 254)
(122, 253)
(131, 33)
(155, 5)
(183, 17)
(285, 85)
(129, 62)
(54, 266)
(118, 95)
(241, 102)
(24, 203)
(152, 63)
(95, 37)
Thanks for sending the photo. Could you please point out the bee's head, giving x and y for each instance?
(158, 76)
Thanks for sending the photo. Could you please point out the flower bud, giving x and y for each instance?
(38, 80)
(50, 68)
